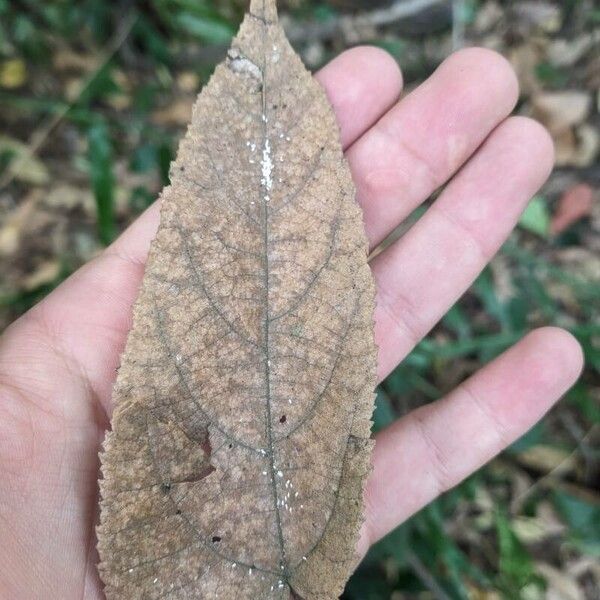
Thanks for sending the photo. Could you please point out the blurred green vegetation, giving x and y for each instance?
(134, 60)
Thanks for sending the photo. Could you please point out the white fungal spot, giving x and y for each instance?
(155, 580)
(267, 166)
(279, 474)
(178, 358)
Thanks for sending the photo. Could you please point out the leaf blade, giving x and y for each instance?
(241, 433)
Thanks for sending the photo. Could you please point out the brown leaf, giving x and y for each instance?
(561, 585)
(564, 113)
(547, 459)
(535, 14)
(44, 274)
(23, 165)
(575, 204)
(240, 437)
(177, 112)
(561, 110)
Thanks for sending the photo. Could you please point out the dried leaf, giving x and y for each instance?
(561, 585)
(588, 146)
(565, 52)
(561, 110)
(575, 204)
(538, 15)
(240, 438)
(176, 113)
(547, 459)
(23, 165)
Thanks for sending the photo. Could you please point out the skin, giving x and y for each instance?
(57, 362)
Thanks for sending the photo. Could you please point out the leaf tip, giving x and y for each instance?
(265, 10)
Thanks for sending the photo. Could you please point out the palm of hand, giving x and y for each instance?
(57, 363)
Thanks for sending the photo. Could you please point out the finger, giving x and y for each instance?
(423, 140)
(361, 84)
(427, 270)
(95, 303)
(438, 445)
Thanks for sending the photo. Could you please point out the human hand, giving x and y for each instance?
(58, 362)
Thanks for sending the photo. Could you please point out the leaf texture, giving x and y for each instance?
(240, 437)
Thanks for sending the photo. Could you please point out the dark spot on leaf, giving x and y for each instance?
(282, 419)
(165, 486)
(216, 539)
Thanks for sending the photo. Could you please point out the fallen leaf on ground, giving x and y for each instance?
(561, 585)
(538, 15)
(546, 459)
(560, 110)
(574, 205)
(23, 165)
(44, 273)
(178, 112)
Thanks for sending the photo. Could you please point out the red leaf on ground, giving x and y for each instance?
(574, 205)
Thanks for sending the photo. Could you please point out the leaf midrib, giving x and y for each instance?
(264, 193)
